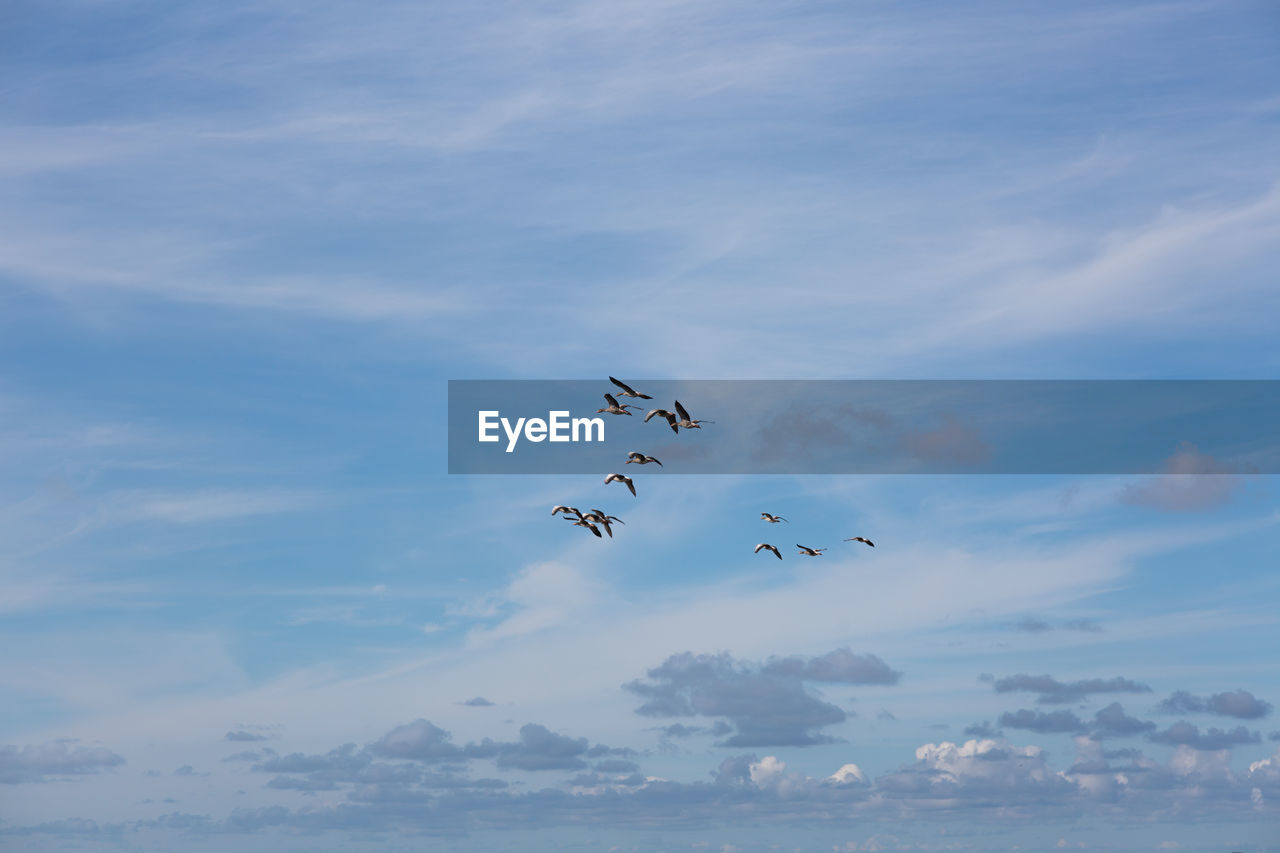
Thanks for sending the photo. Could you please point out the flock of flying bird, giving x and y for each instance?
(804, 549)
(595, 519)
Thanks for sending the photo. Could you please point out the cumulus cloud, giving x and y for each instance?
(1099, 779)
(768, 704)
(322, 772)
(1190, 481)
(1240, 704)
(245, 736)
(1112, 721)
(47, 761)
(1041, 723)
(1054, 692)
(980, 779)
(947, 774)
(615, 765)
(478, 702)
(1109, 722)
(679, 730)
(539, 748)
(983, 731)
(1054, 722)
(1183, 733)
(840, 666)
(399, 760)
(849, 774)
(420, 740)
(1266, 769)
(74, 828)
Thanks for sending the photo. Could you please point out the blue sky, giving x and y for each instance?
(247, 245)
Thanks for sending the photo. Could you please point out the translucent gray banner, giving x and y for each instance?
(866, 426)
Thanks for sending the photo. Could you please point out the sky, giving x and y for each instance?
(246, 246)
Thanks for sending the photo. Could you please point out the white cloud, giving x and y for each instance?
(767, 770)
(848, 774)
(1191, 481)
(542, 596)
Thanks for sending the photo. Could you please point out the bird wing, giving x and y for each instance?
(612, 401)
(635, 455)
(652, 459)
(660, 412)
(630, 485)
(684, 416)
(612, 477)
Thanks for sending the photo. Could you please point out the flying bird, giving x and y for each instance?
(606, 517)
(811, 552)
(566, 510)
(768, 547)
(621, 479)
(663, 413)
(583, 522)
(628, 391)
(772, 519)
(602, 520)
(614, 409)
(641, 459)
(861, 539)
(686, 421)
